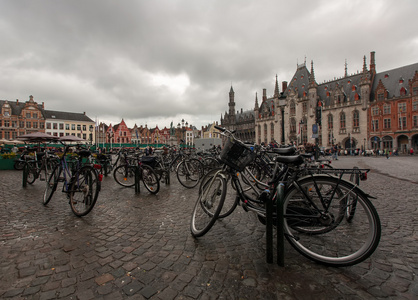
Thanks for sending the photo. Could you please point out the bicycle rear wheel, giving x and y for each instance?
(51, 184)
(150, 179)
(84, 190)
(125, 175)
(313, 214)
(208, 205)
(189, 172)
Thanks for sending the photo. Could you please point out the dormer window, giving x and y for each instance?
(402, 92)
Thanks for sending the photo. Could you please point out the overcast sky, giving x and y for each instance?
(156, 62)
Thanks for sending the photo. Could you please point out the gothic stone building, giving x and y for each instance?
(366, 110)
(241, 121)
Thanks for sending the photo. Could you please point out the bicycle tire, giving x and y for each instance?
(347, 243)
(84, 190)
(51, 184)
(189, 172)
(125, 175)
(231, 198)
(30, 170)
(150, 179)
(19, 164)
(352, 201)
(208, 206)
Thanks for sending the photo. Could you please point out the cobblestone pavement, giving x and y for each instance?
(140, 246)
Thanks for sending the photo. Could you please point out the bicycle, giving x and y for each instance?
(40, 166)
(313, 206)
(81, 182)
(126, 174)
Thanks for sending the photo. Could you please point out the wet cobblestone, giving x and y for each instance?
(140, 247)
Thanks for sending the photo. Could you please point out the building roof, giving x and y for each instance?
(70, 116)
(394, 80)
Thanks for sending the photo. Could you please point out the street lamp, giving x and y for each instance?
(91, 134)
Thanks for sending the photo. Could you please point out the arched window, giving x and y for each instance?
(292, 126)
(272, 132)
(342, 121)
(330, 122)
(356, 119)
(292, 108)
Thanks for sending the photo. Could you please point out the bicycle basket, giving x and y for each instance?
(236, 155)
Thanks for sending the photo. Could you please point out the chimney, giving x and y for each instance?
(284, 85)
(372, 62)
(264, 95)
(43, 106)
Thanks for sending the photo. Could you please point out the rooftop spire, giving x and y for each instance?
(345, 69)
(276, 88)
(256, 102)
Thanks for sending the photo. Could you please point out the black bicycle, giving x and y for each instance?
(314, 206)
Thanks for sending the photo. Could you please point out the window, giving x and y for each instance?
(386, 109)
(35, 115)
(356, 119)
(415, 105)
(67, 126)
(415, 90)
(272, 132)
(21, 124)
(48, 125)
(381, 96)
(6, 113)
(415, 121)
(375, 110)
(386, 124)
(375, 125)
(61, 126)
(402, 123)
(54, 126)
(6, 123)
(265, 133)
(402, 107)
(342, 121)
(28, 124)
(35, 124)
(72, 126)
(42, 125)
(305, 107)
(27, 115)
(78, 127)
(84, 128)
(292, 125)
(330, 122)
(292, 108)
(14, 124)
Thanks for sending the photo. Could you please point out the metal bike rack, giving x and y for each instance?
(279, 226)
(137, 179)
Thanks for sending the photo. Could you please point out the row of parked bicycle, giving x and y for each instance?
(326, 216)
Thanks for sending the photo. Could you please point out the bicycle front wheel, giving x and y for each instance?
(189, 172)
(84, 190)
(51, 184)
(30, 170)
(125, 175)
(150, 179)
(313, 221)
(208, 205)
